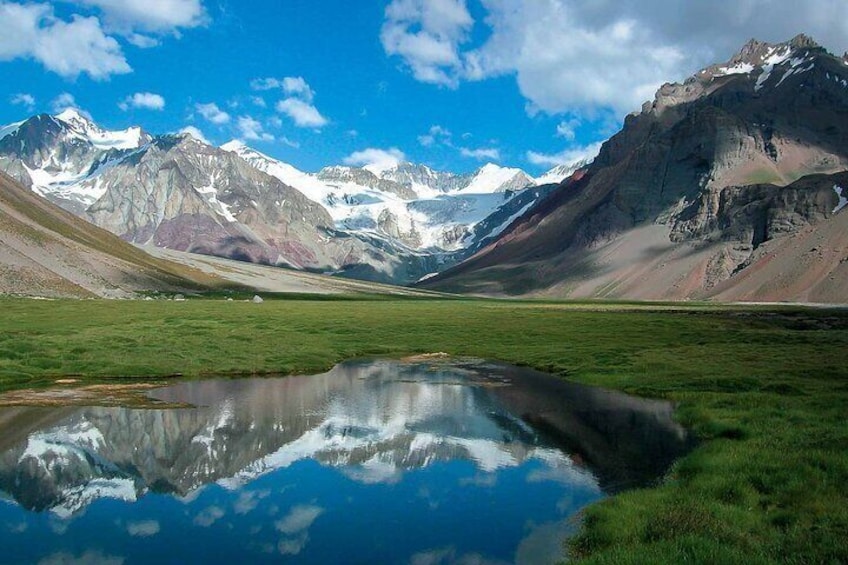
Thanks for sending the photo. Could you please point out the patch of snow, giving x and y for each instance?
(498, 230)
(210, 193)
(738, 69)
(771, 61)
(9, 129)
(78, 498)
(843, 201)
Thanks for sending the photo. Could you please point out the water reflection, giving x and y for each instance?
(373, 461)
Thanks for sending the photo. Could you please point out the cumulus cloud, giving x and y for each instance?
(427, 35)
(376, 160)
(212, 113)
(154, 16)
(581, 57)
(304, 114)
(67, 48)
(23, 99)
(296, 86)
(566, 129)
(482, 154)
(436, 135)
(251, 130)
(195, 133)
(143, 100)
(63, 102)
(265, 83)
(567, 157)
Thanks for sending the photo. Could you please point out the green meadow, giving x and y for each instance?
(764, 389)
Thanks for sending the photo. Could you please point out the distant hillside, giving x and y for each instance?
(728, 186)
(46, 251)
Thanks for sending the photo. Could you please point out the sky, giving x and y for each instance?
(452, 84)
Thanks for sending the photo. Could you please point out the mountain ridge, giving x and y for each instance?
(178, 192)
(736, 157)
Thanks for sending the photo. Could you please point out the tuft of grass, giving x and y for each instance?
(765, 389)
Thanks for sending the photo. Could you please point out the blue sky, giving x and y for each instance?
(449, 83)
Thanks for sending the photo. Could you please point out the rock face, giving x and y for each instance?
(683, 200)
(182, 194)
(47, 252)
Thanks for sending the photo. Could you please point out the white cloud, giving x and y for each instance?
(566, 128)
(212, 113)
(258, 101)
(251, 130)
(154, 16)
(265, 83)
(376, 160)
(63, 102)
(23, 99)
(196, 134)
(482, 154)
(144, 101)
(435, 135)
(584, 57)
(567, 157)
(427, 35)
(304, 114)
(292, 86)
(67, 48)
(296, 86)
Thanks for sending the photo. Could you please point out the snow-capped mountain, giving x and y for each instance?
(562, 172)
(394, 224)
(424, 209)
(55, 155)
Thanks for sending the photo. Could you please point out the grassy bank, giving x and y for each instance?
(767, 391)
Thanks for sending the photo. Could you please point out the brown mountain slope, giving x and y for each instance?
(686, 201)
(46, 251)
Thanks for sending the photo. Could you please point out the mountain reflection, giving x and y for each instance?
(370, 422)
(374, 419)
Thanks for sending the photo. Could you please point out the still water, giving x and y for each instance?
(372, 462)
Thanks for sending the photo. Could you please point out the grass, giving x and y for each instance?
(766, 391)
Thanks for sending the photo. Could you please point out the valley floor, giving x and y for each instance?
(764, 388)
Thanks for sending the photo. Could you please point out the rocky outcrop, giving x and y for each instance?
(720, 164)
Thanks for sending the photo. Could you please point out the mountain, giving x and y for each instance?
(709, 191)
(174, 191)
(562, 172)
(433, 214)
(48, 252)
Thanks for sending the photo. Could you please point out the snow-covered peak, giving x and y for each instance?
(762, 61)
(76, 119)
(236, 146)
(494, 178)
(562, 172)
(79, 124)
